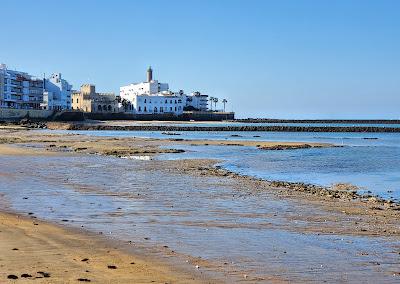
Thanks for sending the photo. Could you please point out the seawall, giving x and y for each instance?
(7, 114)
(186, 116)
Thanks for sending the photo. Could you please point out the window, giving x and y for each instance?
(99, 107)
(144, 100)
(145, 109)
(77, 100)
(170, 108)
(170, 101)
(175, 101)
(140, 109)
(166, 101)
(175, 108)
(155, 109)
(161, 109)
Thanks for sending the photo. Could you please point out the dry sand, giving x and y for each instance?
(35, 250)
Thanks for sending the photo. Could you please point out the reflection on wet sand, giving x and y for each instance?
(205, 219)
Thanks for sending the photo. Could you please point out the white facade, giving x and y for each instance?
(197, 101)
(143, 88)
(57, 94)
(152, 97)
(166, 102)
(19, 89)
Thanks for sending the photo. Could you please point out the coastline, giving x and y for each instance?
(339, 197)
(33, 249)
(342, 212)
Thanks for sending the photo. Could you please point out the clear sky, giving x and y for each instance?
(281, 59)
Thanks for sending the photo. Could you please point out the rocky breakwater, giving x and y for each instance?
(172, 128)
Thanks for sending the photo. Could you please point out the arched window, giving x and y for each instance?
(99, 107)
(140, 109)
(166, 101)
(109, 108)
(105, 108)
(144, 100)
(145, 109)
(155, 109)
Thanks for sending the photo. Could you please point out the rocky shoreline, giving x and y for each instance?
(344, 192)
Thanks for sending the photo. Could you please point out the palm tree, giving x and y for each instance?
(224, 101)
(125, 104)
(215, 103)
(211, 99)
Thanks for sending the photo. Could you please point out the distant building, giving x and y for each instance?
(196, 101)
(57, 93)
(88, 100)
(151, 97)
(19, 89)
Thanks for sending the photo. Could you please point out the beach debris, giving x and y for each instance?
(85, 259)
(197, 267)
(12, 276)
(44, 274)
(111, 267)
(245, 276)
(26, 275)
(84, 280)
(15, 249)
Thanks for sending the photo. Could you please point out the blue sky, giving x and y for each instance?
(282, 59)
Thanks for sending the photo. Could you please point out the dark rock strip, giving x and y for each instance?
(277, 128)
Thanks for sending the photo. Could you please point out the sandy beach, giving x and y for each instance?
(30, 247)
(35, 250)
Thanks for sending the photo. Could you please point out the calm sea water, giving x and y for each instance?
(368, 160)
(236, 232)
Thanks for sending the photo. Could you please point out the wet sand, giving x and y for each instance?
(339, 215)
(34, 250)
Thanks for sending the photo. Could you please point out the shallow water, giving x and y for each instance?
(370, 161)
(199, 216)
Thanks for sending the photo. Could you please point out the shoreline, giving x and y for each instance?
(34, 249)
(127, 147)
(345, 194)
(341, 211)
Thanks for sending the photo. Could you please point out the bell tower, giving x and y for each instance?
(149, 74)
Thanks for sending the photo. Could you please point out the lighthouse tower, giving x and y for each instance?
(149, 74)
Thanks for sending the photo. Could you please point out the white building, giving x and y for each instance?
(19, 89)
(197, 101)
(152, 97)
(57, 94)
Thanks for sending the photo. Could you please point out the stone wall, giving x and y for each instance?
(16, 114)
(186, 116)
